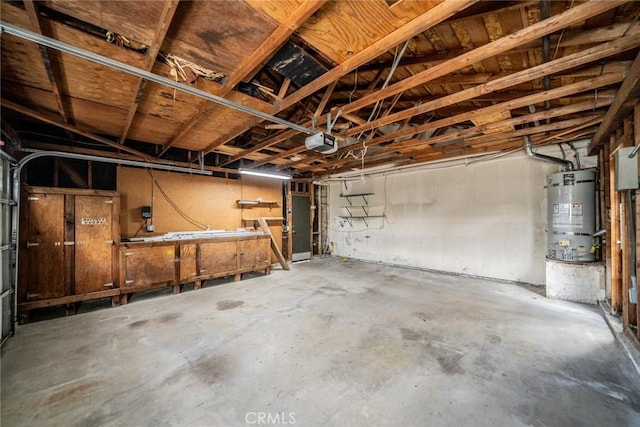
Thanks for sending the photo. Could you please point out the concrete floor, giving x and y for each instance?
(328, 343)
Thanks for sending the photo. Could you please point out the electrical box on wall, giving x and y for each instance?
(145, 211)
(626, 169)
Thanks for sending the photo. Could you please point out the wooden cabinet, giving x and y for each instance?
(42, 249)
(217, 257)
(173, 263)
(254, 255)
(68, 246)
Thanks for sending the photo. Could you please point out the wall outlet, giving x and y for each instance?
(150, 228)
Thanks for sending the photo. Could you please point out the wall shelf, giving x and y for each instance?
(256, 203)
(358, 211)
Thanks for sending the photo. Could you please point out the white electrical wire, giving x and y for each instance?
(174, 205)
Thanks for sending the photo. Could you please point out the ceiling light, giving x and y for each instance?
(264, 174)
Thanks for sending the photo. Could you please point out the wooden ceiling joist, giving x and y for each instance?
(585, 85)
(420, 24)
(460, 140)
(472, 76)
(41, 117)
(434, 16)
(168, 10)
(621, 107)
(286, 134)
(561, 64)
(555, 23)
(251, 62)
(52, 73)
(596, 35)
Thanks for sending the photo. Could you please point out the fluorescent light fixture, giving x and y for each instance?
(264, 174)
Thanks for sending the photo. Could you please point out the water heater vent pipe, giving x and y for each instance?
(568, 165)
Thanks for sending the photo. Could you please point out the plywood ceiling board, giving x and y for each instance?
(21, 62)
(97, 117)
(94, 44)
(20, 59)
(406, 10)
(93, 82)
(217, 35)
(40, 99)
(153, 129)
(508, 22)
(342, 28)
(163, 102)
(495, 31)
(166, 102)
(479, 37)
(135, 20)
(277, 10)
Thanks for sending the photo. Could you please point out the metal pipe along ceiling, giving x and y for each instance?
(529, 151)
(103, 60)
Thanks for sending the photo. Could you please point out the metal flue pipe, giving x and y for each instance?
(568, 165)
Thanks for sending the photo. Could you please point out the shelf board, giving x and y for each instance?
(356, 194)
(256, 203)
(361, 216)
(268, 218)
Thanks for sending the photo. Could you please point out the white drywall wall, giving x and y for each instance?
(486, 218)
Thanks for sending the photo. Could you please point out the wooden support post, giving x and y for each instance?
(614, 237)
(274, 244)
(636, 141)
(606, 252)
(625, 257)
(628, 309)
(289, 214)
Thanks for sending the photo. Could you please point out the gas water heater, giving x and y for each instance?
(571, 217)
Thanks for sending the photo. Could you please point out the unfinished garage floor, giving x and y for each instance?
(328, 343)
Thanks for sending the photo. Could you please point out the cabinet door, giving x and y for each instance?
(254, 254)
(218, 258)
(149, 265)
(43, 247)
(188, 269)
(93, 244)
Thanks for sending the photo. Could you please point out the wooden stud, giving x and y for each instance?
(614, 246)
(628, 309)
